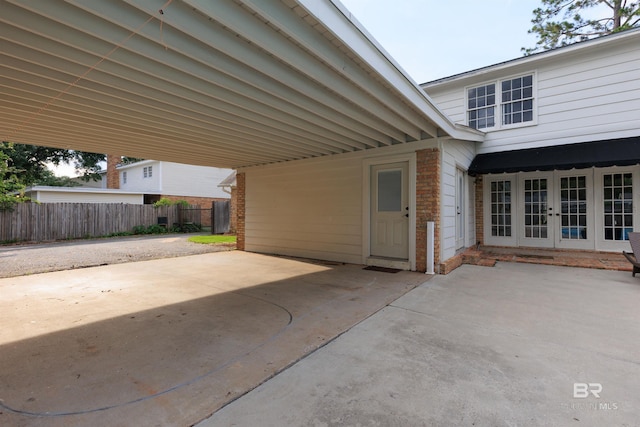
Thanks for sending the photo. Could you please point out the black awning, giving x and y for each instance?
(611, 152)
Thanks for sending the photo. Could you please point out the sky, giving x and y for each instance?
(431, 39)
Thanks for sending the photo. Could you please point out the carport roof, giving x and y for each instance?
(225, 83)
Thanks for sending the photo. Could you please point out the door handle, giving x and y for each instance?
(406, 215)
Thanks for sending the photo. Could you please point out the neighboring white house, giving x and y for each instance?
(47, 194)
(169, 179)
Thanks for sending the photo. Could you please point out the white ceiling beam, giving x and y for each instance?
(257, 32)
(280, 15)
(168, 91)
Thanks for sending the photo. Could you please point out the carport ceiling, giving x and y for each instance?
(220, 83)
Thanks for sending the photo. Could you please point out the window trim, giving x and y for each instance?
(499, 104)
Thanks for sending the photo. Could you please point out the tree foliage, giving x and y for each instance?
(30, 163)
(10, 187)
(562, 22)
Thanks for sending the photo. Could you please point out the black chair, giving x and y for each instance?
(634, 241)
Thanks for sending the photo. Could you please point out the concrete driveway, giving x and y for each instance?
(168, 342)
(513, 345)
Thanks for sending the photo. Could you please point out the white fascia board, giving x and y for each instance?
(341, 23)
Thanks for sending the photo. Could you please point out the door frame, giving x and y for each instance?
(411, 159)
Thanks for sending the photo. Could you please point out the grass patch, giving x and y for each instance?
(212, 239)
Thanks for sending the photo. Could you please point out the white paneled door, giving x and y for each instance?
(390, 211)
(460, 208)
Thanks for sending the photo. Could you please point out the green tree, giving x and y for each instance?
(562, 22)
(10, 187)
(29, 163)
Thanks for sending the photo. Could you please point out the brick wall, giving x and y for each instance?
(240, 206)
(479, 211)
(233, 221)
(113, 175)
(427, 204)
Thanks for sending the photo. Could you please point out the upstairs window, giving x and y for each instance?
(514, 100)
(147, 172)
(124, 177)
(481, 104)
(517, 100)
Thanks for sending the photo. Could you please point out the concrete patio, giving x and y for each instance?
(513, 345)
(168, 342)
(270, 341)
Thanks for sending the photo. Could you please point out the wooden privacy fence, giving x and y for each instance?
(32, 222)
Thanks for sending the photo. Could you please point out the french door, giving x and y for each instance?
(574, 218)
(536, 210)
(577, 209)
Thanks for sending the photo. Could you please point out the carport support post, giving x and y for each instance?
(431, 226)
(240, 206)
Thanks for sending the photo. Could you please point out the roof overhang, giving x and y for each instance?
(225, 83)
(611, 152)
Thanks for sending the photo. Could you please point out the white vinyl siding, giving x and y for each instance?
(136, 180)
(307, 209)
(589, 95)
(175, 179)
(199, 181)
(455, 155)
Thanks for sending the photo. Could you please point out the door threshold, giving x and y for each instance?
(400, 264)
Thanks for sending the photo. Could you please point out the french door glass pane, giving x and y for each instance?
(573, 207)
(501, 208)
(535, 208)
(618, 205)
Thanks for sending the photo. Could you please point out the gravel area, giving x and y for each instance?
(20, 260)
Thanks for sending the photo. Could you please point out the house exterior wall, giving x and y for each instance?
(199, 181)
(428, 176)
(456, 155)
(135, 177)
(581, 95)
(318, 208)
(175, 179)
(307, 209)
